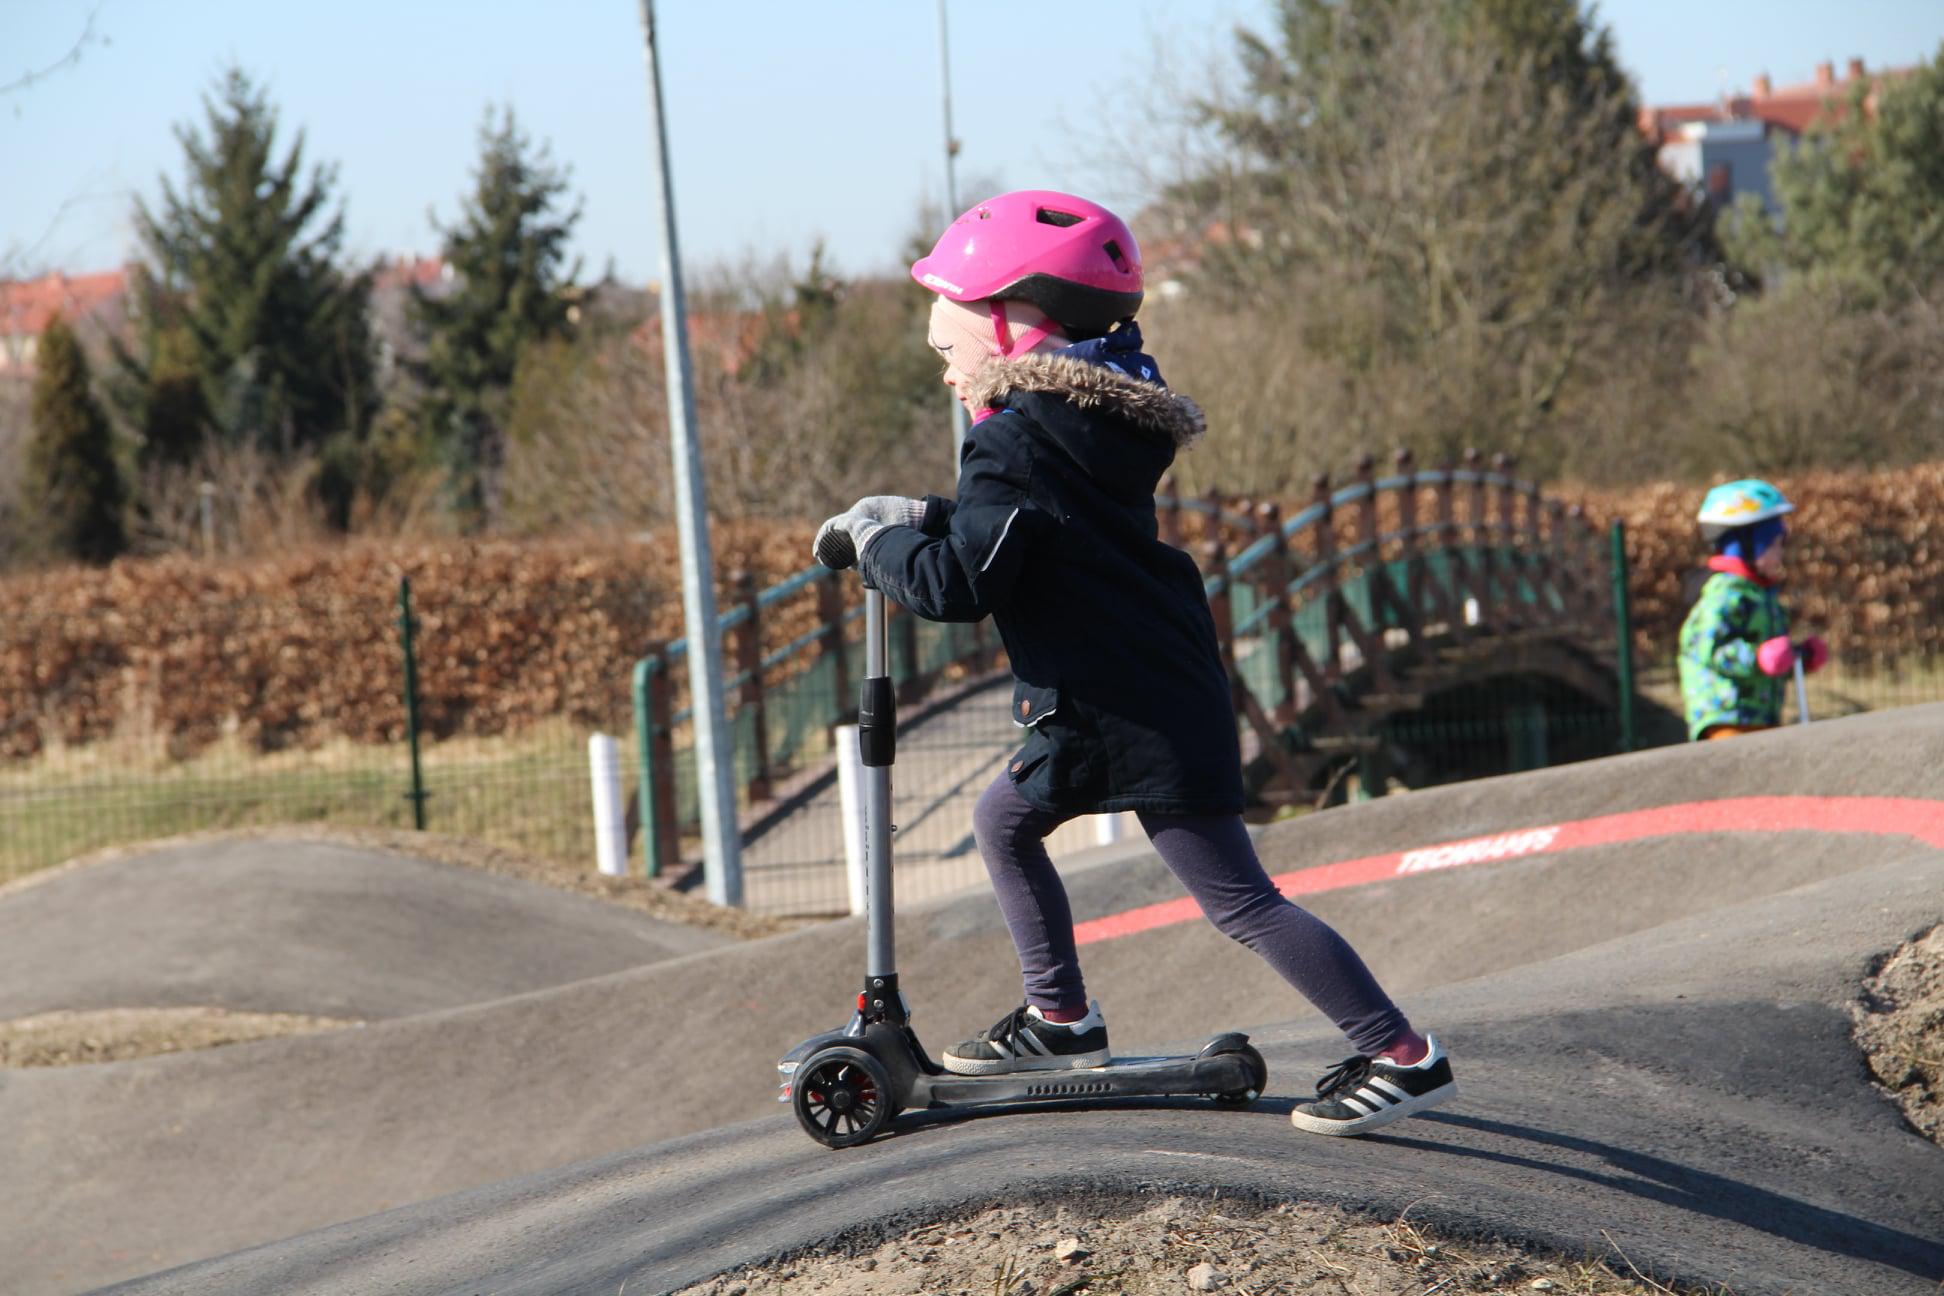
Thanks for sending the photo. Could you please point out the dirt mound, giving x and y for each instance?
(1054, 1249)
(1900, 1028)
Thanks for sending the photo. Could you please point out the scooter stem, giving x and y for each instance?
(877, 732)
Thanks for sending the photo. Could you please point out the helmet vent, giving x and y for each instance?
(1047, 216)
(1119, 258)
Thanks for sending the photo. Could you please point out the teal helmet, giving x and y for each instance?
(1736, 504)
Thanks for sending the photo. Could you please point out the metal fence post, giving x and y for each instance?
(649, 809)
(749, 661)
(1623, 631)
(906, 669)
(1281, 624)
(405, 626)
(655, 779)
(1507, 536)
(830, 610)
(1323, 538)
(1481, 538)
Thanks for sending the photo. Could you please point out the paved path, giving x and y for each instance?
(1531, 967)
(944, 763)
(1690, 1096)
(261, 925)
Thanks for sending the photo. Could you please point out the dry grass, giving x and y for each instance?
(122, 1034)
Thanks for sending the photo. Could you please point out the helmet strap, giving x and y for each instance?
(1026, 341)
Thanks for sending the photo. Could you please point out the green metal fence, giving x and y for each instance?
(225, 712)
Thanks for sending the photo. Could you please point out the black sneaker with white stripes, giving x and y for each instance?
(1023, 1040)
(1361, 1093)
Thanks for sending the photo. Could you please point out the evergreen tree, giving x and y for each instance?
(160, 388)
(1862, 196)
(507, 252)
(246, 283)
(73, 492)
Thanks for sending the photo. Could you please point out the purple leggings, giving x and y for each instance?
(1215, 860)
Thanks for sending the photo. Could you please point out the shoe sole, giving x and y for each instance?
(1364, 1124)
(1008, 1066)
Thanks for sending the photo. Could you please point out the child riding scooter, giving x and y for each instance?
(1119, 681)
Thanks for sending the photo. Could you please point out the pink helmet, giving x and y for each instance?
(1073, 259)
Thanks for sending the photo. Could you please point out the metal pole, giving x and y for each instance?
(1802, 691)
(961, 421)
(644, 718)
(417, 795)
(877, 736)
(1623, 630)
(715, 775)
(206, 500)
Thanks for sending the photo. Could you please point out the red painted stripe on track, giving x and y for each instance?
(1912, 817)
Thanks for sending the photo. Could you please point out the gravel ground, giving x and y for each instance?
(1900, 1028)
(119, 1034)
(1177, 1245)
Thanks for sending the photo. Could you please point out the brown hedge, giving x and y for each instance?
(293, 651)
(297, 650)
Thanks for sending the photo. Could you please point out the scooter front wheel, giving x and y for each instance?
(842, 1097)
(1258, 1077)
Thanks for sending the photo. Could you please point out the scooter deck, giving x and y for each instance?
(1224, 1073)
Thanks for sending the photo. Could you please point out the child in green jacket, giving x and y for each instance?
(1735, 648)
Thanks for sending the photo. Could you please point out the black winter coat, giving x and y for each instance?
(1117, 671)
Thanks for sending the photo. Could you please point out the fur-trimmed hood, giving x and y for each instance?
(1091, 387)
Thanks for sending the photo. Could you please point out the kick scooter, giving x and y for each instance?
(847, 1086)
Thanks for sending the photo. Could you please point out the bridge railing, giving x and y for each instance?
(1322, 614)
(1315, 612)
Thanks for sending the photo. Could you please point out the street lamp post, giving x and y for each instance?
(961, 423)
(721, 845)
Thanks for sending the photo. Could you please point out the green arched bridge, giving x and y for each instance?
(1398, 629)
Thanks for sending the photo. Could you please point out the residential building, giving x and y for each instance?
(1724, 149)
(27, 306)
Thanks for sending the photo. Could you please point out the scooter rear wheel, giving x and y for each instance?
(841, 1097)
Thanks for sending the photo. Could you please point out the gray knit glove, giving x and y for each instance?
(842, 538)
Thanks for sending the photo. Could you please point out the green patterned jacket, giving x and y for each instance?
(1720, 682)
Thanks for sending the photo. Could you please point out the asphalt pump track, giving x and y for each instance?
(1646, 999)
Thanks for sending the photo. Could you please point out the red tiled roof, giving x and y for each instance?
(413, 270)
(731, 336)
(28, 305)
(1793, 108)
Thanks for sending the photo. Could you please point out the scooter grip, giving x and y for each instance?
(835, 549)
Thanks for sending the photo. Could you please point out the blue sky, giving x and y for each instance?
(790, 121)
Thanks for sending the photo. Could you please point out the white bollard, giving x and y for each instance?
(1108, 829)
(610, 820)
(850, 807)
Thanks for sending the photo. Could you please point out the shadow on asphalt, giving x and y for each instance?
(1686, 1188)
